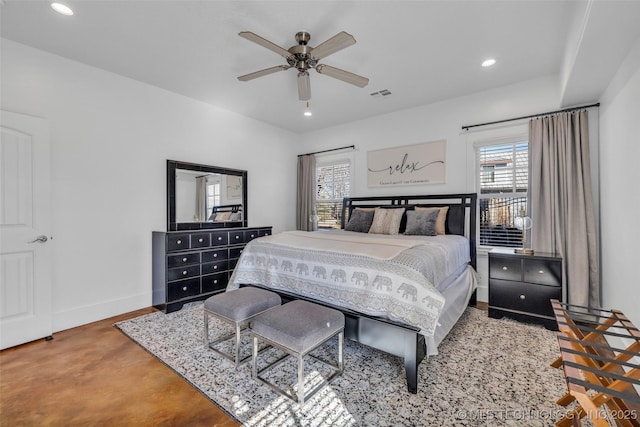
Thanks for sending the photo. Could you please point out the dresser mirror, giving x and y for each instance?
(203, 196)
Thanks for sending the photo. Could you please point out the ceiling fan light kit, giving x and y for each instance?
(303, 57)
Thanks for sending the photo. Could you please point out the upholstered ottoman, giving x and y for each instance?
(237, 308)
(297, 328)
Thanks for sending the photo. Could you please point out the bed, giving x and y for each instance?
(400, 293)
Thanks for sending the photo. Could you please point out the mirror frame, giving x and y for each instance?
(172, 225)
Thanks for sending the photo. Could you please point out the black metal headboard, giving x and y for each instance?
(461, 216)
(227, 208)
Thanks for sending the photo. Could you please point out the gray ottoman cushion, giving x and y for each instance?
(241, 304)
(298, 325)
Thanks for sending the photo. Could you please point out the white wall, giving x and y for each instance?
(110, 139)
(432, 122)
(619, 179)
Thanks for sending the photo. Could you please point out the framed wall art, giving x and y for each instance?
(417, 164)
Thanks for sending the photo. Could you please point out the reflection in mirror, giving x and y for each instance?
(202, 196)
(208, 197)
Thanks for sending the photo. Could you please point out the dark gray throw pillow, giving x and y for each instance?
(360, 221)
(421, 223)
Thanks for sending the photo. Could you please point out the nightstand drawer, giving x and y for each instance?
(544, 272)
(523, 297)
(506, 268)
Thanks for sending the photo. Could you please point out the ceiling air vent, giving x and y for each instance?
(383, 92)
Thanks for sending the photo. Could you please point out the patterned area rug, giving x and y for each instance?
(488, 373)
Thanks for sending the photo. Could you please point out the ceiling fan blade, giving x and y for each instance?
(304, 86)
(334, 44)
(345, 76)
(265, 43)
(264, 72)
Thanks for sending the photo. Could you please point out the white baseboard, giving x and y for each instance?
(91, 313)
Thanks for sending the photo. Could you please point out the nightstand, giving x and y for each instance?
(521, 286)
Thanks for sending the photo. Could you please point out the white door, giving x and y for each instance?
(25, 227)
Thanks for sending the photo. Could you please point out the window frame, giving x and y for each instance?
(332, 160)
(508, 135)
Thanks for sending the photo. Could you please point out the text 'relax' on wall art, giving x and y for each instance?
(407, 165)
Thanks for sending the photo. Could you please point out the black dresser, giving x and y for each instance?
(193, 265)
(521, 286)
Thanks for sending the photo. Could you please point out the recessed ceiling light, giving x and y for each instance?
(62, 9)
(488, 62)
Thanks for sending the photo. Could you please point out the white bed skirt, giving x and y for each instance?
(457, 296)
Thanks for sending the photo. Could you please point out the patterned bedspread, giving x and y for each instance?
(402, 288)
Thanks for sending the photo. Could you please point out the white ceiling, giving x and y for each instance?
(421, 51)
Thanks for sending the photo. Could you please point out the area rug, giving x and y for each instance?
(488, 372)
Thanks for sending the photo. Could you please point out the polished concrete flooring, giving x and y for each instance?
(94, 375)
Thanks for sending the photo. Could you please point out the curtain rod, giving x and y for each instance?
(326, 151)
(597, 104)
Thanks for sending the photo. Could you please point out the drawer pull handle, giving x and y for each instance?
(200, 240)
(240, 250)
(184, 273)
(219, 238)
(215, 255)
(237, 237)
(179, 242)
(252, 236)
(184, 288)
(504, 268)
(522, 296)
(184, 259)
(215, 282)
(541, 271)
(215, 267)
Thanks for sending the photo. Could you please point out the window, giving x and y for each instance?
(213, 195)
(332, 184)
(504, 184)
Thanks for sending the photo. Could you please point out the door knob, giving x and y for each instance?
(41, 239)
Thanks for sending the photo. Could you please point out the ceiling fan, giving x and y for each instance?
(303, 58)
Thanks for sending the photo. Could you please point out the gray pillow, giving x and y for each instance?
(360, 221)
(421, 223)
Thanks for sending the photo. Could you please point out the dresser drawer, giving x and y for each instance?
(178, 242)
(264, 232)
(236, 237)
(200, 240)
(217, 255)
(234, 253)
(249, 235)
(183, 272)
(523, 297)
(215, 267)
(219, 238)
(544, 272)
(184, 259)
(506, 268)
(214, 282)
(183, 289)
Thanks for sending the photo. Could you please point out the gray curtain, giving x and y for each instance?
(306, 195)
(201, 199)
(561, 200)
